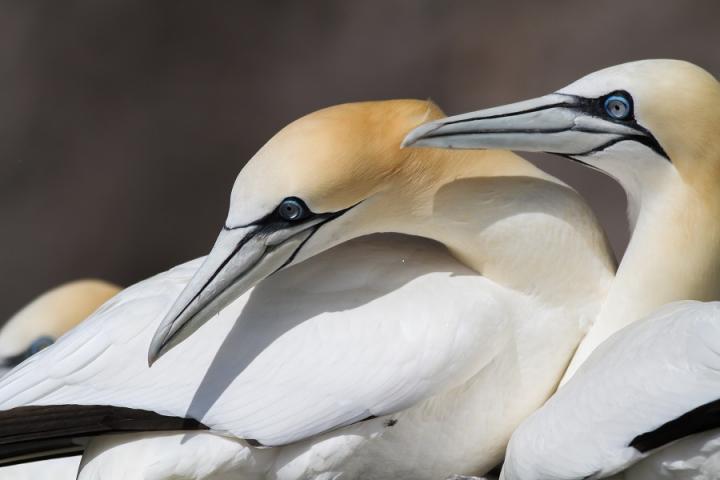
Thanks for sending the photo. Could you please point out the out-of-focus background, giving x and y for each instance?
(123, 123)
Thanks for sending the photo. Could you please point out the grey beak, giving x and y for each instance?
(240, 258)
(554, 123)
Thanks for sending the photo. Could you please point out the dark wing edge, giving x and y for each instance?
(33, 433)
(701, 419)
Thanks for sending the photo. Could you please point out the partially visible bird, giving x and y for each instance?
(390, 356)
(36, 327)
(653, 390)
(45, 319)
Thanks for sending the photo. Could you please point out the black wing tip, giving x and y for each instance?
(701, 419)
(32, 432)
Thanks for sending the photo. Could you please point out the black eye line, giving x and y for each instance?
(263, 227)
(274, 218)
(596, 108)
(315, 228)
(15, 360)
(263, 230)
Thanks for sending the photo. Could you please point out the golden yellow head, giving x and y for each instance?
(49, 316)
(328, 177)
(331, 159)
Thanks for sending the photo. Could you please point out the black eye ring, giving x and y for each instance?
(618, 106)
(292, 209)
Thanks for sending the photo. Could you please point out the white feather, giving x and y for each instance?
(642, 377)
(313, 349)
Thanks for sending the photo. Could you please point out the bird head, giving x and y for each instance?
(49, 316)
(644, 123)
(328, 177)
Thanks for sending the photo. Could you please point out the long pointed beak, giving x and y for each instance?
(555, 123)
(240, 258)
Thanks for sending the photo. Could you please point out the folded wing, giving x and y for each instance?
(369, 328)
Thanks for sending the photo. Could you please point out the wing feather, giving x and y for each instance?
(650, 384)
(366, 329)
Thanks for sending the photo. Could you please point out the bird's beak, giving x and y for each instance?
(240, 258)
(556, 123)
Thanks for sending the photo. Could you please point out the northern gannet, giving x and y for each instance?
(45, 319)
(34, 328)
(655, 127)
(374, 357)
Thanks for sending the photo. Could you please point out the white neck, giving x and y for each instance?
(534, 235)
(673, 254)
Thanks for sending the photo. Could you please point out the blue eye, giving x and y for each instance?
(617, 107)
(291, 209)
(39, 344)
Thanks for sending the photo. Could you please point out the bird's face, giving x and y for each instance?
(39, 343)
(50, 316)
(322, 180)
(641, 123)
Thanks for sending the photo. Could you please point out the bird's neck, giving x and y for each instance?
(673, 254)
(528, 232)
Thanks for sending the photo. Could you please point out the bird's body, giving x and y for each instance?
(46, 318)
(638, 402)
(458, 347)
(64, 468)
(384, 356)
(653, 383)
(36, 326)
(453, 335)
(696, 457)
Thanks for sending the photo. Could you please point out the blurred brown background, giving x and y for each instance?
(124, 122)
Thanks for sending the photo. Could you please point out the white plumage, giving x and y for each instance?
(64, 468)
(383, 356)
(648, 374)
(273, 368)
(47, 317)
(652, 125)
(696, 457)
(36, 326)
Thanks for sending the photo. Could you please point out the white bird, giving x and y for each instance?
(654, 126)
(383, 357)
(34, 328)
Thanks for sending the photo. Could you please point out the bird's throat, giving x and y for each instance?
(673, 255)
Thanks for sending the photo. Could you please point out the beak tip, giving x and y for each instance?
(156, 349)
(408, 141)
(417, 135)
(153, 356)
